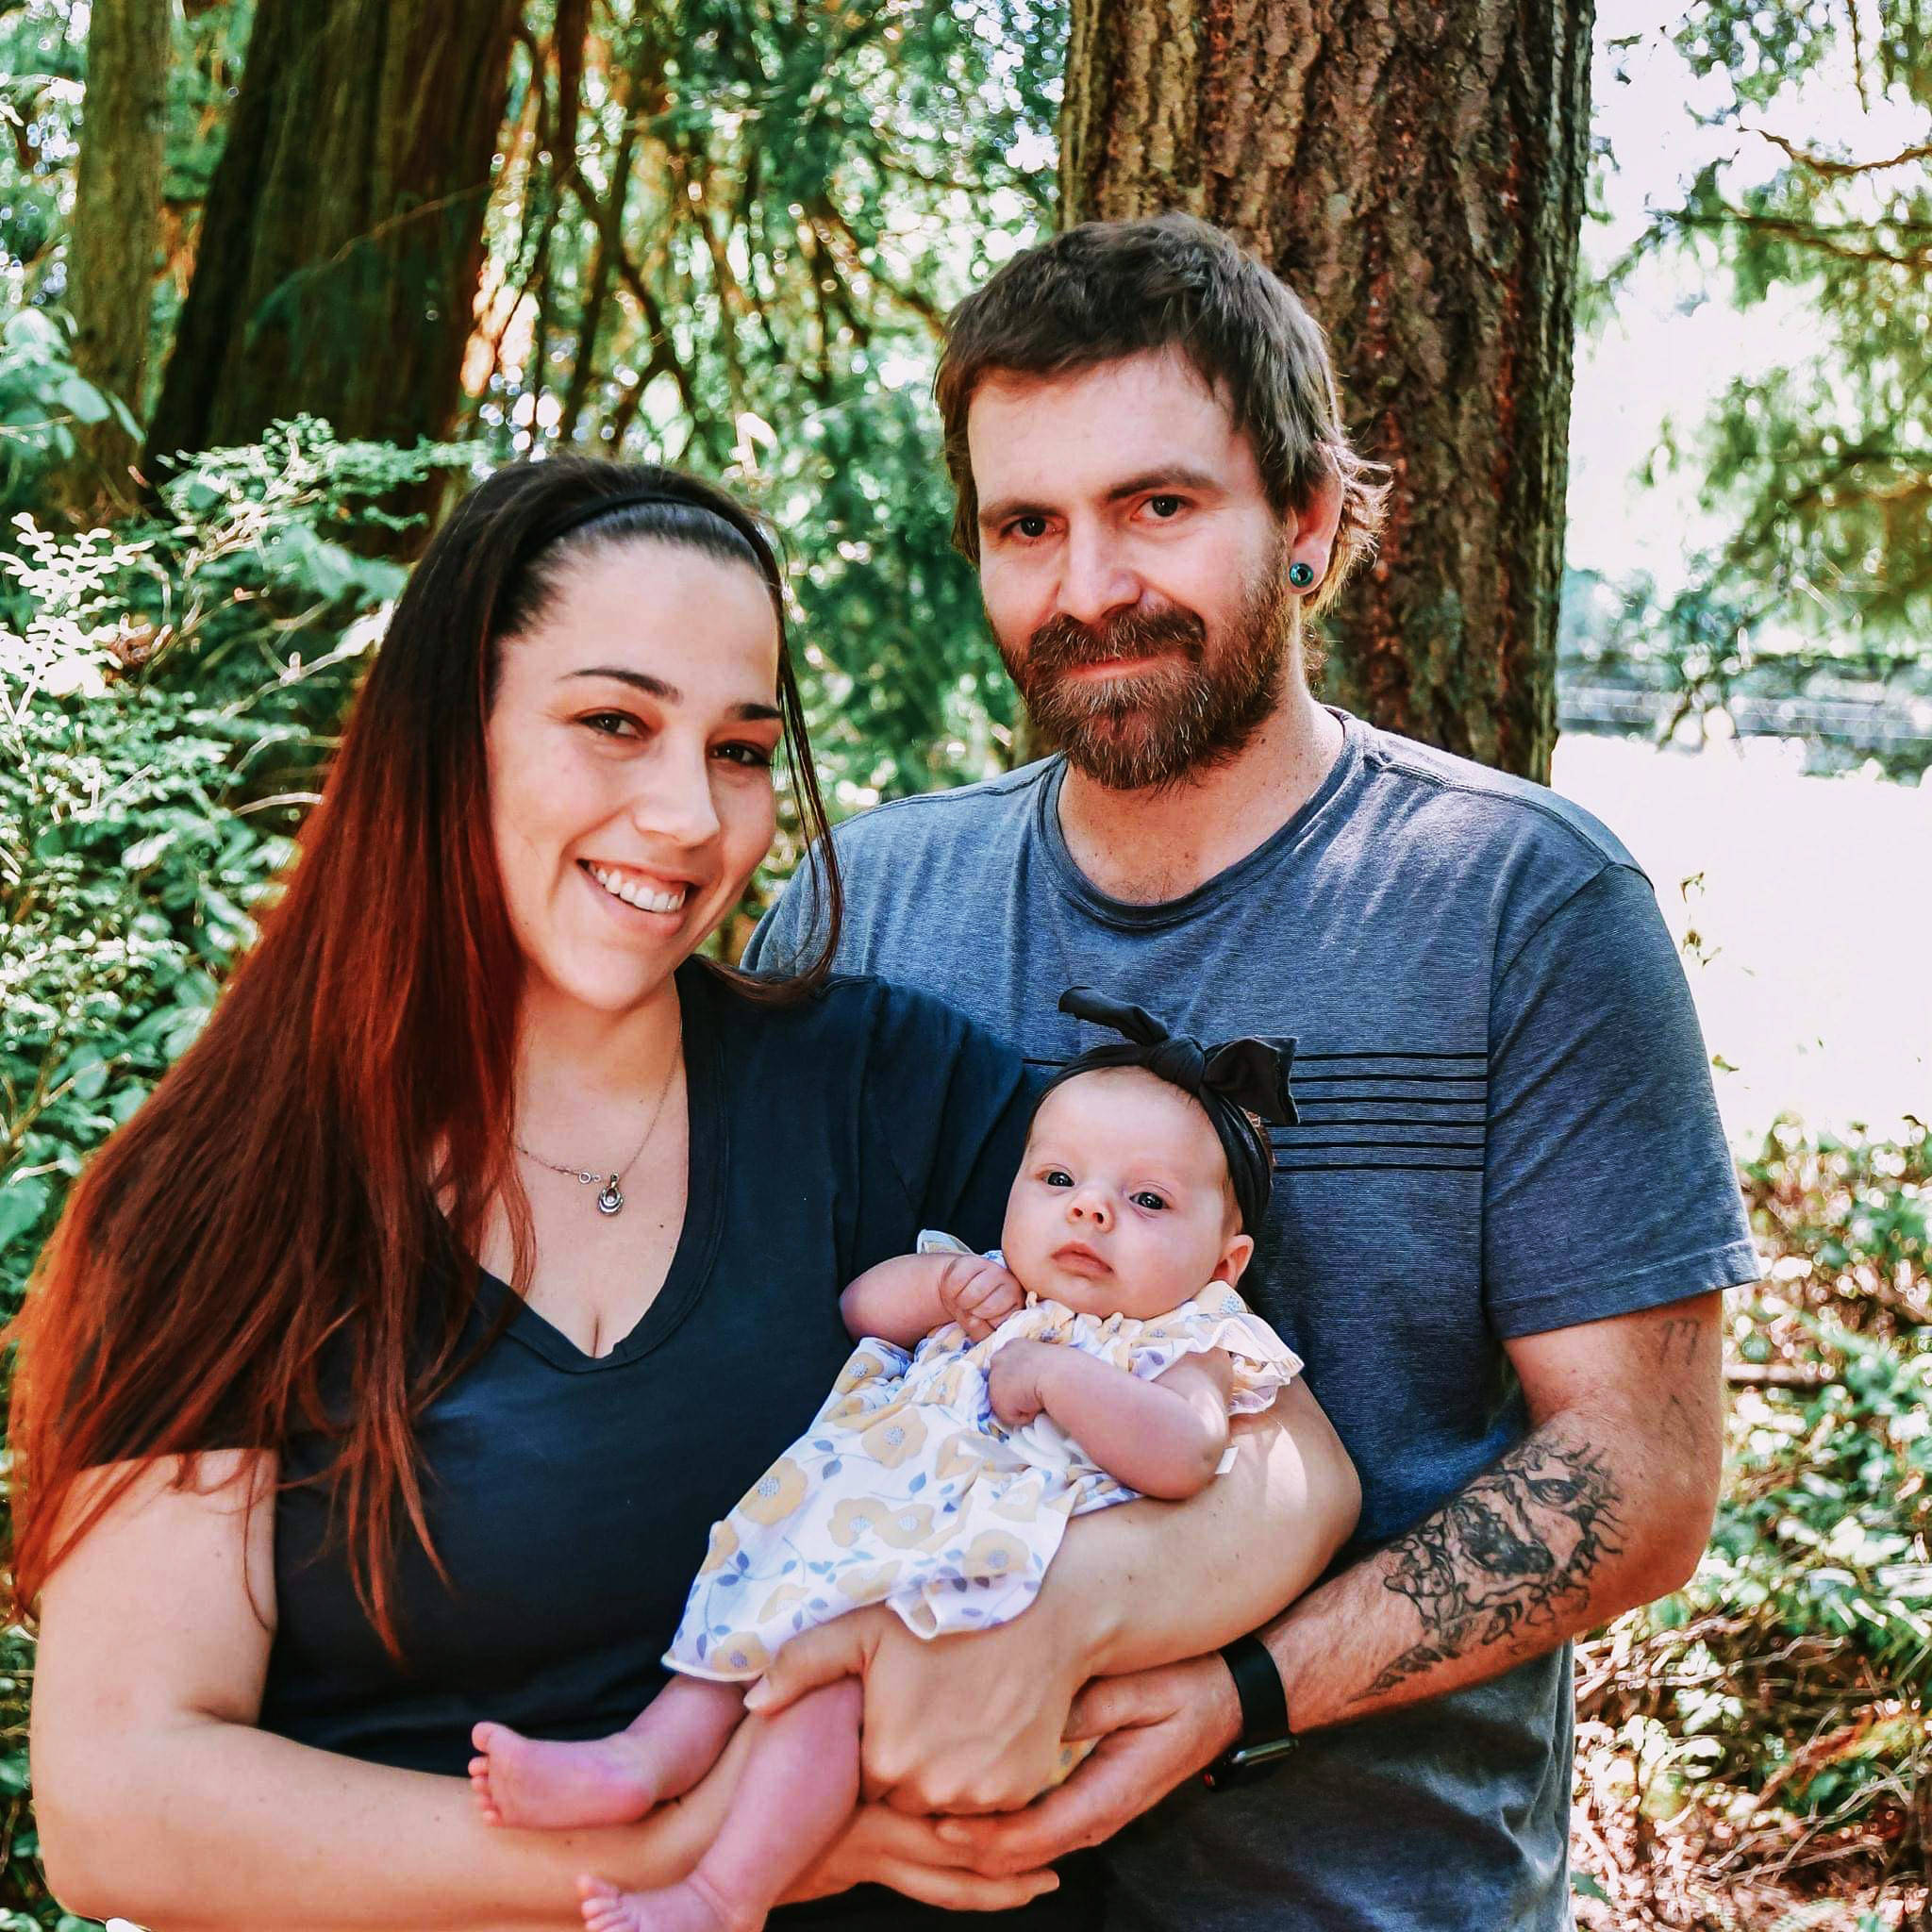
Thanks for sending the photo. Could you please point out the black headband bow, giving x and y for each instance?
(1238, 1079)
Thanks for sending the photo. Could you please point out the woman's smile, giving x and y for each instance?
(640, 891)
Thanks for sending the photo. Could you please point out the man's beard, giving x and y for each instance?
(1189, 715)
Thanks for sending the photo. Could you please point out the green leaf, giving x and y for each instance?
(82, 400)
(22, 1203)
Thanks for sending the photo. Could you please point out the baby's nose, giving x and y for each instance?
(1090, 1205)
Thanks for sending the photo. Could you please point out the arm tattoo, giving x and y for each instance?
(1500, 1556)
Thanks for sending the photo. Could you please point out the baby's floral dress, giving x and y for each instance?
(907, 1490)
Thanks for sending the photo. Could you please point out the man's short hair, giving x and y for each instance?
(1109, 290)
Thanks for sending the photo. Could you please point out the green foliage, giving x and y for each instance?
(166, 693)
(1787, 1684)
(744, 272)
(42, 399)
(1822, 469)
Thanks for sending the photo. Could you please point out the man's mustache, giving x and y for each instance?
(1063, 643)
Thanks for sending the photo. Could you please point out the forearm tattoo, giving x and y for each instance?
(1504, 1554)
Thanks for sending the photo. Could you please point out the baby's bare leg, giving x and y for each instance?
(676, 1739)
(800, 1783)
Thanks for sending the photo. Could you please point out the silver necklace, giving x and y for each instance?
(611, 1195)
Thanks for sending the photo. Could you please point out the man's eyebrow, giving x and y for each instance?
(1169, 476)
(1008, 508)
(670, 694)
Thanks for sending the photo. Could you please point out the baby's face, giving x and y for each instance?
(1121, 1204)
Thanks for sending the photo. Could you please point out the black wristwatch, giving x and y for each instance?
(1266, 1739)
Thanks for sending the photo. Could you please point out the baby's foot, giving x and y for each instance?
(693, 1906)
(520, 1780)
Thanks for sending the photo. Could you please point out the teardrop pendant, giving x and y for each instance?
(612, 1198)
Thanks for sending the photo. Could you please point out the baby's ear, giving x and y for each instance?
(1235, 1258)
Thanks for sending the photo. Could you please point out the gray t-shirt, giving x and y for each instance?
(1507, 1126)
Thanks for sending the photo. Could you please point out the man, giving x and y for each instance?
(1502, 1219)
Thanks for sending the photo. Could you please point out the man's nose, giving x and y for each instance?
(1095, 579)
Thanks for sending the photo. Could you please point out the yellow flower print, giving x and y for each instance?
(868, 1583)
(863, 1366)
(854, 1412)
(960, 1454)
(776, 1493)
(1020, 1502)
(902, 1524)
(994, 1554)
(742, 1654)
(781, 1600)
(897, 1434)
(908, 1524)
(723, 1546)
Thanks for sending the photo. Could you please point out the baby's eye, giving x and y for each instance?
(1058, 1177)
(1148, 1199)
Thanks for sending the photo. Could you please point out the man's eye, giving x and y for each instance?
(1058, 1177)
(1165, 507)
(1148, 1199)
(1030, 527)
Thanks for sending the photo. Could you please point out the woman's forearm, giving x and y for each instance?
(1149, 1583)
(213, 1826)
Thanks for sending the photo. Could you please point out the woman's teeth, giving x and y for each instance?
(632, 894)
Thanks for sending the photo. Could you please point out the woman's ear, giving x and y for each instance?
(1234, 1256)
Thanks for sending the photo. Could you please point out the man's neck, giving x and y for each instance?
(1145, 847)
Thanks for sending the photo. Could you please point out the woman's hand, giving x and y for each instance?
(880, 1846)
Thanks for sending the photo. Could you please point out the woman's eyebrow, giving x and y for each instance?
(670, 694)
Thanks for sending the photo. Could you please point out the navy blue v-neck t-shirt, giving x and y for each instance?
(570, 1496)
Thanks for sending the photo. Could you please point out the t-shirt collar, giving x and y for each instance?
(1313, 817)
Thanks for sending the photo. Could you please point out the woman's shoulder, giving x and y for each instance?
(850, 1013)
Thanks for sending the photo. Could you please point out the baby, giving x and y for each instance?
(1095, 1358)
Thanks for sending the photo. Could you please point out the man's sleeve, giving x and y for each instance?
(1607, 1184)
(787, 937)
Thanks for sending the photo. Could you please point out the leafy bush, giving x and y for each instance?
(166, 693)
(1758, 1740)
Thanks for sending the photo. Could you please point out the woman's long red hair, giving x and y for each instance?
(306, 1184)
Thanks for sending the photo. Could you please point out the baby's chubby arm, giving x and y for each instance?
(908, 1297)
(1164, 1438)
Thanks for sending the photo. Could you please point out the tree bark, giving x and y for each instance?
(1415, 172)
(115, 236)
(343, 240)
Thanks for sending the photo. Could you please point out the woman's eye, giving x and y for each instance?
(1058, 1177)
(611, 724)
(1148, 1199)
(753, 756)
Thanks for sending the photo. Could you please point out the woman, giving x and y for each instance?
(386, 1370)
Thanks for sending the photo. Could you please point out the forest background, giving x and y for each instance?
(276, 277)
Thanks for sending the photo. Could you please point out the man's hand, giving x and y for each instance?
(880, 1846)
(1157, 1729)
(971, 1722)
(1013, 1380)
(980, 1295)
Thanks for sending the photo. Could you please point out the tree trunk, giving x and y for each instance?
(115, 235)
(1415, 172)
(343, 240)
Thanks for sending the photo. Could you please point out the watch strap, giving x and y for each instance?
(1258, 1684)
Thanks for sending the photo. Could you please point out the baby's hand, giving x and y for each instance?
(980, 1295)
(1012, 1381)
